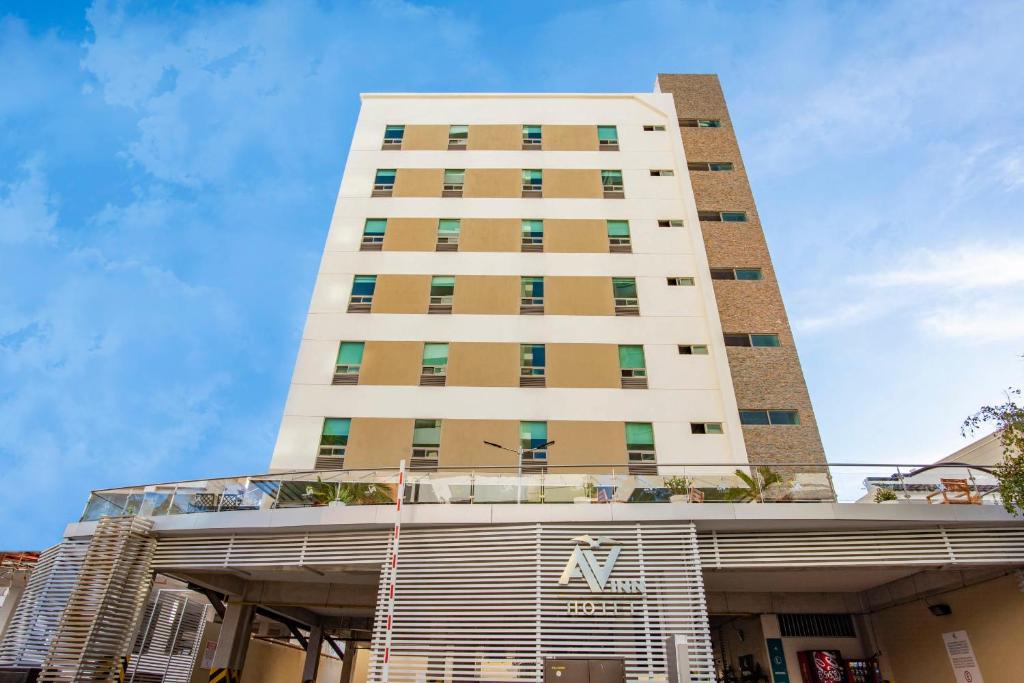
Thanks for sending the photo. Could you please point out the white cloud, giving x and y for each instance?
(26, 208)
(988, 320)
(965, 266)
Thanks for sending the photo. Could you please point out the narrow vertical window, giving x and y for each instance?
(532, 235)
(640, 448)
(532, 365)
(442, 293)
(434, 367)
(363, 287)
(384, 182)
(448, 230)
(393, 137)
(618, 237)
(626, 300)
(607, 138)
(533, 182)
(611, 183)
(531, 295)
(350, 359)
(373, 234)
(533, 440)
(632, 366)
(333, 440)
(426, 445)
(454, 180)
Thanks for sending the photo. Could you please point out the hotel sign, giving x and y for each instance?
(583, 563)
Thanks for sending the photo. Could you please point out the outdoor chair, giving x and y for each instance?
(695, 495)
(955, 492)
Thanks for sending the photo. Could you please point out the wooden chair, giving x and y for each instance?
(956, 492)
(696, 495)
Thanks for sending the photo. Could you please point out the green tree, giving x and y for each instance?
(1008, 419)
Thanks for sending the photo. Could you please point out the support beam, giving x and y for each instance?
(334, 646)
(312, 662)
(233, 643)
(297, 634)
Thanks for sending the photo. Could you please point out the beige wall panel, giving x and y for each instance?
(486, 294)
(410, 234)
(569, 138)
(418, 182)
(493, 182)
(391, 362)
(571, 236)
(378, 442)
(992, 613)
(578, 295)
(401, 294)
(462, 443)
(583, 365)
(425, 137)
(572, 183)
(479, 364)
(504, 137)
(587, 443)
(490, 234)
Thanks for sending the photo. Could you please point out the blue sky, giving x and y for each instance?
(167, 176)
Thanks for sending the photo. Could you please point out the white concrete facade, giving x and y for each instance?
(682, 388)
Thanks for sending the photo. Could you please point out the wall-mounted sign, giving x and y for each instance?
(583, 563)
(777, 661)
(961, 657)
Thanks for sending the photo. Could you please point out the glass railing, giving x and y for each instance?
(592, 484)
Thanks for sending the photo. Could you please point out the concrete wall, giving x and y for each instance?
(992, 613)
(268, 662)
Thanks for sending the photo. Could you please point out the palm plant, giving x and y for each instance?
(364, 493)
(755, 485)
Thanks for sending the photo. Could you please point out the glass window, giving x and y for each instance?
(754, 417)
(748, 274)
(532, 359)
(426, 434)
(454, 176)
(631, 357)
(734, 216)
(336, 431)
(681, 281)
(458, 133)
(607, 134)
(533, 230)
(363, 285)
(532, 434)
(693, 349)
(709, 123)
(394, 132)
(639, 436)
(653, 127)
(733, 339)
(764, 340)
(722, 274)
(783, 417)
(449, 227)
(624, 287)
(705, 427)
(531, 287)
(442, 285)
(435, 354)
(532, 133)
(611, 179)
(533, 176)
(385, 176)
(618, 228)
(669, 223)
(374, 227)
(719, 166)
(350, 353)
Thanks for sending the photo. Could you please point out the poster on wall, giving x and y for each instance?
(961, 657)
(208, 652)
(777, 658)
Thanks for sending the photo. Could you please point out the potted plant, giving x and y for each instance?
(756, 485)
(357, 493)
(320, 493)
(885, 496)
(679, 488)
(589, 493)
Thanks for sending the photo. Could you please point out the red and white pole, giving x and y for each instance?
(391, 573)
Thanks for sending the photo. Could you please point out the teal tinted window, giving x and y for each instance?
(458, 132)
(533, 434)
(734, 216)
(350, 353)
(754, 417)
(454, 176)
(607, 134)
(336, 431)
(435, 354)
(709, 123)
(531, 132)
(611, 178)
(783, 417)
(748, 274)
(764, 340)
(631, 357)
(532, 176)
(639, 435)
(448, 226)
(385, 176)
(624, 287)
(532, 356)
(533, 228)
(532, 287)
(394, 132)
(442, 285)
(618, 228)
(426, 433)
(375, 227)
(720, 166)
(363, 285)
